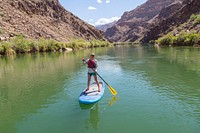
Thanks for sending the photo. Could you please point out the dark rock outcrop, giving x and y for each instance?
(179, 14)
(134, 24)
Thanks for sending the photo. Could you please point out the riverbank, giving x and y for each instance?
(182, 39)
(20, 44)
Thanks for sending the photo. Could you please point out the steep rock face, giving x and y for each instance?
(133, 24)
(179, 14)
(43, 18)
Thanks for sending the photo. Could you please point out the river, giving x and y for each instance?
(158, 91)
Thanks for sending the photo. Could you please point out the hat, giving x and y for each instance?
(92, 54)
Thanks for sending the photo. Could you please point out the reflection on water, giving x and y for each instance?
(173, 72)
(113, 100)
(29, 82)
(158, 91)
(94, 118)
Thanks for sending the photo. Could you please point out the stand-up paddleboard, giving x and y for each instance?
(92, 95)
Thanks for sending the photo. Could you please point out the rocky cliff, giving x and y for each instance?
(106, 26)
(134, 24)
(175, 18)
(43, 18)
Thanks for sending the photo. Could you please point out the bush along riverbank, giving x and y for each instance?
(182, 39)
(77, 44)
(20, 44)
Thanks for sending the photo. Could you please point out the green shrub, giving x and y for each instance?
(10, 51)
(190, 39)
(98, 43)
(34, 47)
(197, 39)
(78, 43)
(197, 20)
(42, 44)
(183, 39)
(193, 17)
(52, 45)
(21, 44)
(180, 40)
(2, 49)
(164, 40)
(6, 48)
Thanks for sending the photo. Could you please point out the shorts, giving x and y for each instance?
(92, 74)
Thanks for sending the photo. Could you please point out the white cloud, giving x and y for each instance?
(92, 8)
(91, 20)
(103, 21)
(99, 1)
(107, 1)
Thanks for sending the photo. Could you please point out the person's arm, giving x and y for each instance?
(85, 61)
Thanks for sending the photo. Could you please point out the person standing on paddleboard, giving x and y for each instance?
(92, 69)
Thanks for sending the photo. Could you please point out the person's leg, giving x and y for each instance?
(95, 78)
(88, 83)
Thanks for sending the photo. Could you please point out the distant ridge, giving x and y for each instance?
(106, 26)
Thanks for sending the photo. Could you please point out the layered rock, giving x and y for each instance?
(171, 18)
(134, 24)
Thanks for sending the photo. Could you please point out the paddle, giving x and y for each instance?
(112, 90)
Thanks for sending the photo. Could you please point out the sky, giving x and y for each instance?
(99, 12)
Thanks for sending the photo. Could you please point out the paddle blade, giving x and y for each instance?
(112, 90)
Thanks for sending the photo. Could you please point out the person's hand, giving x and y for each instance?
(83, 59)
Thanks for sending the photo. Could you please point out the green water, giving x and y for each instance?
(158, 92)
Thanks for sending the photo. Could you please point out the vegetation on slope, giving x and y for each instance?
(20, 44)
(183, 39)
(183, 35)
